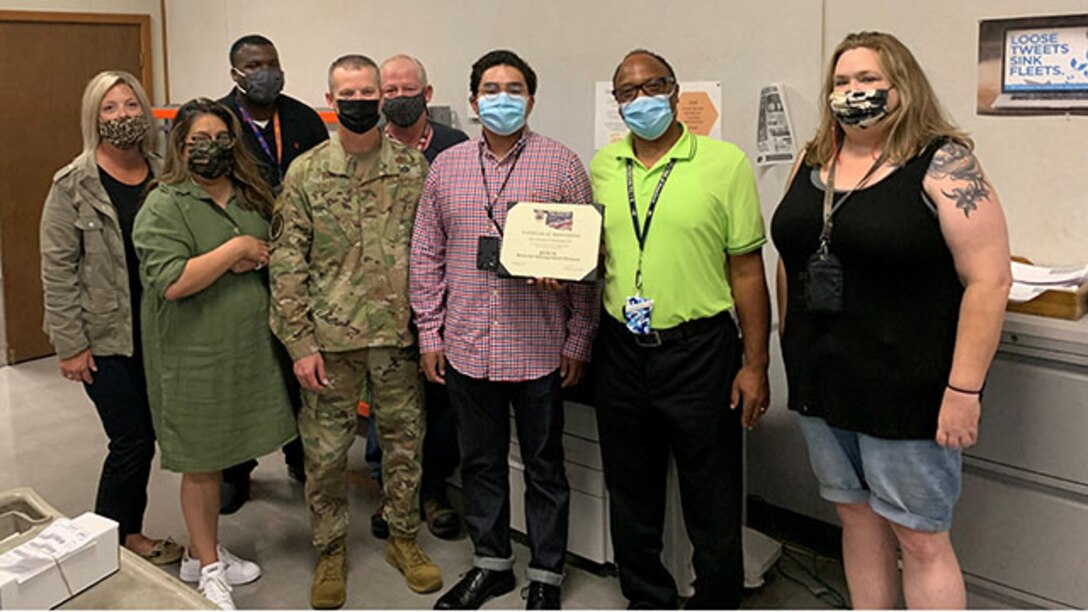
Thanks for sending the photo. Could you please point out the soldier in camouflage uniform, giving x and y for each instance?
(339, 270)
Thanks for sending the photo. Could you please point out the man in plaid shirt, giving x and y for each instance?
(495, 341)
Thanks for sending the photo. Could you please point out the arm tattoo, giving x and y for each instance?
(956, 162)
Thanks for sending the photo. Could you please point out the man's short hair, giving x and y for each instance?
(354, 61)
(501, 57)
(420, 70)
(250, 39)
(646, 52)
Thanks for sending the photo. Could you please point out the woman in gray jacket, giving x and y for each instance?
(90, 275)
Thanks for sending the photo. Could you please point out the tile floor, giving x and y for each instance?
(51, 440)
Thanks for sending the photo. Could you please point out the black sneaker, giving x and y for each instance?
(378, 527)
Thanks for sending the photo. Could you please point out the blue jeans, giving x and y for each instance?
(913, 483)
(483, 412)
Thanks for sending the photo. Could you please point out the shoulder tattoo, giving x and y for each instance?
(955, 162)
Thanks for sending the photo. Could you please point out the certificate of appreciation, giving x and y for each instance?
(551, 240)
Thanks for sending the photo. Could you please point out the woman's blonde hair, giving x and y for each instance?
(253, 192)
(97, 89)
(915, 123)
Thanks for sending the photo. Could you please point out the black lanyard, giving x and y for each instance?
(487, 190)
(642, 232)
(829, 194)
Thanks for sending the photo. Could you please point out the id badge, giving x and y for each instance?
(487, 253)
(823, 289)
(636, 314)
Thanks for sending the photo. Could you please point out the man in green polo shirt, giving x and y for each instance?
(683, 232)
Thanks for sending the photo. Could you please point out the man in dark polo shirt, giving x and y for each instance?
(276, 128)
(405, 95)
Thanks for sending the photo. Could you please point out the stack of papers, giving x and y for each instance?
(1029, 281)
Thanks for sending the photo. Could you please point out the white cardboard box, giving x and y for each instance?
(74, 570)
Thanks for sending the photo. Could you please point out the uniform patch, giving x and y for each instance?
(277, 226)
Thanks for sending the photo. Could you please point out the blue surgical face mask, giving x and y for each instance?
(502, 113)
(648, 116)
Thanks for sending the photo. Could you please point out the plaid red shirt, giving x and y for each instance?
(490, 327)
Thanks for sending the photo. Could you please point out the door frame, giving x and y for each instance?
(144, 21)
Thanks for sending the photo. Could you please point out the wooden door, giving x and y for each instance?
(48, 60)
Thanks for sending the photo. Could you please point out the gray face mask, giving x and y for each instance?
(262, 86)
(404, 110)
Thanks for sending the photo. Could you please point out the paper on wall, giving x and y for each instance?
(774, 133)
(699, 108)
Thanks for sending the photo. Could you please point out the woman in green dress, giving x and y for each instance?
(217, 393)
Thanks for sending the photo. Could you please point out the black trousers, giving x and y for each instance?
(119, 393)
(672, 399)
(483, 413)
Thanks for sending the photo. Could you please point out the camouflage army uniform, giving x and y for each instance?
(340, 240)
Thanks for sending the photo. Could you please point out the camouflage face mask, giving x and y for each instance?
(124, 132)
(210, 159)
(862, 108)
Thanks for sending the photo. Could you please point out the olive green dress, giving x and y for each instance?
(217, 392)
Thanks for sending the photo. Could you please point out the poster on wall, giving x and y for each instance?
(699, 108)
(1033, 65)
(774, 132)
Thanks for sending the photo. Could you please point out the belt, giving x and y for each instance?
(683, 331)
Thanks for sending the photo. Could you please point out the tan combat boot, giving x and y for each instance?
(329, 589)
(420, 573)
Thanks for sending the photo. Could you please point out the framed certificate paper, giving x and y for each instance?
(551, 240)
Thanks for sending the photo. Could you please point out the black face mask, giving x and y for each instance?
(405, 110)
(357, 116)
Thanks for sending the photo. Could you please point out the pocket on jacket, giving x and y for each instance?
(92, 237)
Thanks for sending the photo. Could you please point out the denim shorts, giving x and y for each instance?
(913, 483)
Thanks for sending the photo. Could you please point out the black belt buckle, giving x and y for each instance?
(650, 340)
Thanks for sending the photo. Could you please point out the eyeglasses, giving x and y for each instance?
(514, 89)
(224, 140)
(653, 87)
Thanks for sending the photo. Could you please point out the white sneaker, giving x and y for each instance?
(213, 585)
(238, 571)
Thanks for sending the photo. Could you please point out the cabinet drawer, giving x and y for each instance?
(1014, 530)
(581, 420)
(1034, 418)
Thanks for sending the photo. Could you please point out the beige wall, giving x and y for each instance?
(570, 44)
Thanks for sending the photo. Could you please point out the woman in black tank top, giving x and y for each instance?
(890, 312)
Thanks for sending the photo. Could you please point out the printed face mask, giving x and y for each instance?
(210, 159)
(262, 85)
(502, 113)
(124, 132)
(357, 116)
(861, 108)
(404, 110)
(648, 116)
